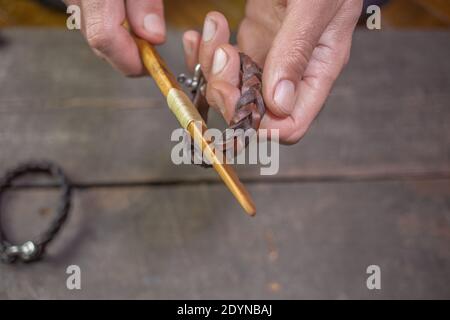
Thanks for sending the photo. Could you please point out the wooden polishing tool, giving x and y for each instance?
(191, 120)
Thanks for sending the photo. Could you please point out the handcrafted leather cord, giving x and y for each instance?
(33, 250)
(249, 110)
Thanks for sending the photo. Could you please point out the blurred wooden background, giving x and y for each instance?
(397, 14)
(179, 13)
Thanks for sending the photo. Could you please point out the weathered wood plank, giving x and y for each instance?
(312, 240)
(388, 115)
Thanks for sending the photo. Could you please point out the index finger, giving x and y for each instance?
(102, 27)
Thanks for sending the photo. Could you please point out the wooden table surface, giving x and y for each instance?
(369, 185)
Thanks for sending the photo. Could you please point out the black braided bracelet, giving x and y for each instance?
(33, 250)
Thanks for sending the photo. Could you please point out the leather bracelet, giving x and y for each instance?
(249, 110)
(32, 250)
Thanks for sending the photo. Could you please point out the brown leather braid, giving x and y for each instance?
(250, 108)
(249, 111)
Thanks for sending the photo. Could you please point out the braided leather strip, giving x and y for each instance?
(250, 109)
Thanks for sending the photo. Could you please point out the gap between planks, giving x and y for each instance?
(430, 176)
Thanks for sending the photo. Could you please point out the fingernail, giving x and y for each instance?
(220, 61)
(209, 29)
(285, 96)
(154, 24)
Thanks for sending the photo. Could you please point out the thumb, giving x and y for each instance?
(147, 19)
(291, 51)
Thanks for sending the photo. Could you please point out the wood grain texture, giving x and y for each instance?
(310, 240)
(387, 116)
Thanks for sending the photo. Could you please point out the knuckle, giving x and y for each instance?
(98, 35)
(298, 53)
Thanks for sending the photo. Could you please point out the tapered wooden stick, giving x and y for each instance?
(190, 119)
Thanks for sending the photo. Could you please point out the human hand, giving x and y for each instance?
(302, 45)
(102, 26)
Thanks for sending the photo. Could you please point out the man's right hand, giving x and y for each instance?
(102, 26)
